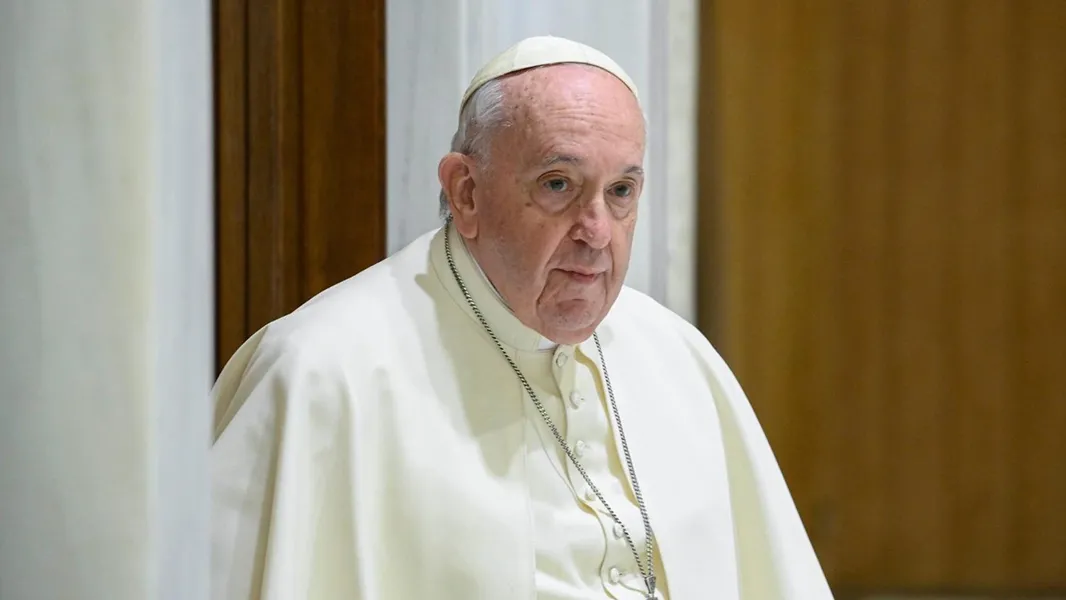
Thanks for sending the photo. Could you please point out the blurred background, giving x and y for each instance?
(862, 203)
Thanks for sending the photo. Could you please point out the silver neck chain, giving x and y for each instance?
(647, 567)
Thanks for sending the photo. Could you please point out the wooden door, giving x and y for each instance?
(300, 154)
(884, 266)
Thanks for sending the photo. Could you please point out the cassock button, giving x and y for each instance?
(579, 448)
(617, 531)
(614, 575)
(560, 359)
(576, 399)
(590, 496)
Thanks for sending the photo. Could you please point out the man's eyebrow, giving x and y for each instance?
(555, 159)
(569, 159)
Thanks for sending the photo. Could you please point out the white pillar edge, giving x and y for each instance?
(182, 315)
(680, 62)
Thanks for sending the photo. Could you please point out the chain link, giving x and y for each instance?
(647, 570)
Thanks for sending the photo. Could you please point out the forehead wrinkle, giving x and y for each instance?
(572, 102)
(569, 159)
(554, 159)
(547, 106)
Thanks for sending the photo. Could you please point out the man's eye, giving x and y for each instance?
(623, 190)
(557, 185)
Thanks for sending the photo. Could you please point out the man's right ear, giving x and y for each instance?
(456, 175)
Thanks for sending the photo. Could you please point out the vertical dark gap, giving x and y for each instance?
(950, 329)
(890, 271)
(383, 119)
(276, 270)
(834, 513)
(246, 169)
(943, 329)
(1017, 96)
(708, 248)
(383, 133)
(298, 132)
(847, 579)
(216, 147)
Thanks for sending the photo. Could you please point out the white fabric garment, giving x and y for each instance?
(375, 445)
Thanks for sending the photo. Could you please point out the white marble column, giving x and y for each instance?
(435, 47)
(106, 298)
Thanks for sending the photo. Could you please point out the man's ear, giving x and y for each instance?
(456, 175)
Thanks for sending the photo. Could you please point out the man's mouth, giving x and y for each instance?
(582, 276)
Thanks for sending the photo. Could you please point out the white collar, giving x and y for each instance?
(504, 323)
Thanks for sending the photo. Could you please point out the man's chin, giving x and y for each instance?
(573, 321)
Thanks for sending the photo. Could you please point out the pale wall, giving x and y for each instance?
(106, 298)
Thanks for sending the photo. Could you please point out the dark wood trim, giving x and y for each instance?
(300, 154)
(231, 176)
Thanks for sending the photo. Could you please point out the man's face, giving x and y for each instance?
(555, 207)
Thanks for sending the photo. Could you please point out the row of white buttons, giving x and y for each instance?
(576, 399)
(590, 496)
(614, 574)
(579, 448)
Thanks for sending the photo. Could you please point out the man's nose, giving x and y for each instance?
(593, 224)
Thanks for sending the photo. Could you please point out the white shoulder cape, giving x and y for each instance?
(368, 446)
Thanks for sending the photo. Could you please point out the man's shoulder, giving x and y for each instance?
(641, 326)
(367, 306)
(640, 323)
(640, 312)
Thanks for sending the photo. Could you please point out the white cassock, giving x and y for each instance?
(374, 444)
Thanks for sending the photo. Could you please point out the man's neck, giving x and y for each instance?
(481, 272)
(545, 343)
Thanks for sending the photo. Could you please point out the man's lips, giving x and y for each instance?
(582, 275)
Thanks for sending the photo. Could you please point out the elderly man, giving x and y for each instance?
(490, 413)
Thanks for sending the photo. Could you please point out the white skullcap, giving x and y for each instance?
(542, 51)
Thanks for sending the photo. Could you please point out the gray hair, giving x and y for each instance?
(483, 113)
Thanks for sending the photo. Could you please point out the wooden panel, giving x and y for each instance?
(344, 133)
(301, 154)
(919, 401)
(1038, 549)
(275, 161)
(867, 248)
(884, 265)
(977, 436)
(231, 177)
